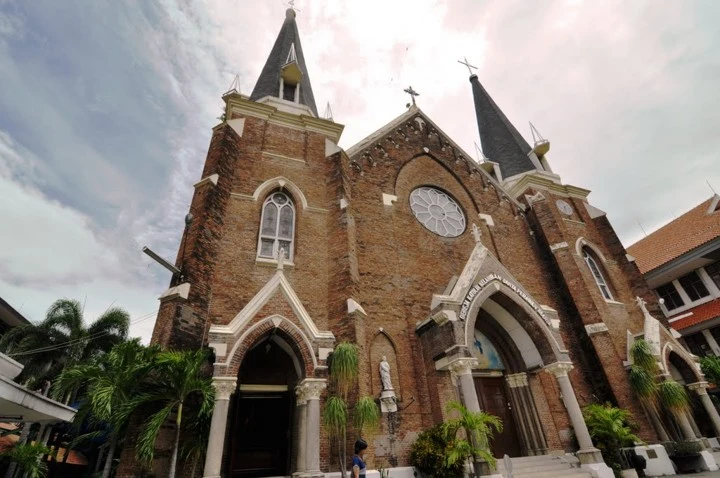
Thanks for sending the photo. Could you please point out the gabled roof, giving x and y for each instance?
(412, 112)
(501, 142)
(287, 43)
(696, 227)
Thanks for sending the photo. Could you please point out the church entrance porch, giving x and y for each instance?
(261, 436)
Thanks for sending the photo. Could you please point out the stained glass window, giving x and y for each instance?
(597, 275)
(278, 226)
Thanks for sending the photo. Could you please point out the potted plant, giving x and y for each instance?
(685, 454)
(611, 429)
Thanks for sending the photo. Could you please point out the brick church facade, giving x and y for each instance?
(494, 284)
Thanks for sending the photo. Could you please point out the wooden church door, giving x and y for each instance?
(494, 400)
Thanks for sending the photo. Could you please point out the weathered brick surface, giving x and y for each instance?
(380, 256)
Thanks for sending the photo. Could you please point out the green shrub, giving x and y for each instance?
(611, 429)
(429, 454)
(683, 448)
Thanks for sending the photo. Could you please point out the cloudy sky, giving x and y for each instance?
(106, 110)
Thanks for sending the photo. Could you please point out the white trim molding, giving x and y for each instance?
(282, 183)
(213, 178)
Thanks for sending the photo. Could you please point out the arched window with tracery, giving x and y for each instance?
(277, 226)
(597, 274)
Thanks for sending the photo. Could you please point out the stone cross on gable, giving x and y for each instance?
(641, 303)
(476, 233)
(409, 90)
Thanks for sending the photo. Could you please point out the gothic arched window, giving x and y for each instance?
(277, 226)
(597, 274)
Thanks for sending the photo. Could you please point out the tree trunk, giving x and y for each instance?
(110, 456)
(176, 445)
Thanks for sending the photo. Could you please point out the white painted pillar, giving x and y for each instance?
(224, 388)
(301, 439)
(314, 388)
(711, 342)
(590, 457)
(701, 389)
(560, 370)
(461, 370)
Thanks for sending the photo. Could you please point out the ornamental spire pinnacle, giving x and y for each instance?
(285, 74)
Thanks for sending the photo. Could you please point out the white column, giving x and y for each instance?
(461, 370)
(701, 389)
(711, 342)
(560, 370)
(314, 388)
(224, 388)
(301, 439)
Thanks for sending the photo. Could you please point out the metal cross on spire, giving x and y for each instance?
(409, 90)
(291, 4)
(469, 66)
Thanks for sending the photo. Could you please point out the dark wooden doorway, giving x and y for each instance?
(261, 444)
(494, 400)
(261, 436)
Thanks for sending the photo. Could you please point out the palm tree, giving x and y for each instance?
(478, 428)
(27, 458)
(109, 385)
(344, 368)
(610, 429)
(176, 382)
(62, 340)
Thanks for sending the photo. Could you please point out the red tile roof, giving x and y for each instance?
(701, 313)
(693, 229)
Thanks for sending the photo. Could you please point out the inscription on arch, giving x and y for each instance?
(486, 281)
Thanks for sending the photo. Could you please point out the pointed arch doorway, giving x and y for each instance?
(262, 425)
(503, 351)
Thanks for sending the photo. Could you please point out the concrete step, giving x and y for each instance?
(538, 466)
(569, 473)
(542, 466)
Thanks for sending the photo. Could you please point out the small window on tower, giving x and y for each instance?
(597, 274)
(277, 227)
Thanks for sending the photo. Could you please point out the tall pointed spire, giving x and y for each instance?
(501, 142)
(285, 75)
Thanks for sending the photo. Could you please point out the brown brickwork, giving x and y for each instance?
(383, 258)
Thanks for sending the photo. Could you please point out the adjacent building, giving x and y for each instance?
(496, 284)
(681, 263)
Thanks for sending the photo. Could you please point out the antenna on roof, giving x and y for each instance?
(710, 186)
(328, 112)
(234, 86)
(540, 145)
(641, 227)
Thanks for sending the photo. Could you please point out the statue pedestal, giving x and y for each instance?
(387, 401)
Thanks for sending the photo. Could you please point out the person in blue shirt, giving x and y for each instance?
(358, 464)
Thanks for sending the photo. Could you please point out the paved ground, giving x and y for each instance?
(704, 474)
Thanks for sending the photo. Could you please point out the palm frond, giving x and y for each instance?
(145, 448)
(673, 396)
(642, 356)
(335, 416)
(344, 367)
(642, 383)
(367, 415)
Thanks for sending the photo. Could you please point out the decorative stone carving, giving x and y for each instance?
(224, 387)
(476, 233)
(596, 328)
(462, 366)
(651, 328)
(559, 369)
(385, 374)
(517, 380)
(314, 387)
(699, 387)
(301, 395)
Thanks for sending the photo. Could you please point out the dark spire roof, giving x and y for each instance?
(268, 83)
(501, 142)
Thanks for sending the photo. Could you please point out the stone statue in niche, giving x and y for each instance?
(385, 374)
(388, 401)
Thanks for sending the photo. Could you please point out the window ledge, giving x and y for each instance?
(267, 262)
(614, 302)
